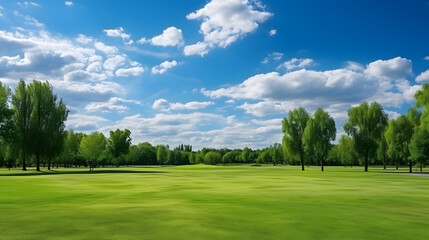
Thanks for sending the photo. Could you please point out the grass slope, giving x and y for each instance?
(213, 202)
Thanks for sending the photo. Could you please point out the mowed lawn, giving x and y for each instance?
(214, 202)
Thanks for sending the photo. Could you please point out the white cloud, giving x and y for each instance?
(336, 90)
(83, 39)
(426, 58)
(267, 107)
(199, 48)
(171, 36)
(117, 32)
(29, 4)
(224, 22)
(113, 104)
(423, 77)
(142, 40)
(29, 20)
(164, 105)
(274, 56)
(393, 69)
(297, 63)
(163, 67)
(68, 3)
(75, 121)
(273, 32)
(96, 66)
(113, 62)
(133, 71)
(72, 66)
(106, 49)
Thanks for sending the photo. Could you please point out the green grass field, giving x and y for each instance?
(214, 202)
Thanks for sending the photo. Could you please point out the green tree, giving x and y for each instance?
(92, 148)
(245, 155)
(346, 150)
(276, 153)
(47, 119)
(71, 147)
(318, 134)
(398, 137)
(55, 126)
(119, 143)
(7, 129)
(366, 124)
(382, 150)
(419, 146)
(22, 106)
(161, 154)
(212, 158)
(293, 128)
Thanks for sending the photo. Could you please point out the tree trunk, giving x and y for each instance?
(366, 161)
(321, 164)
(302, 161)
(411, 166)
(49, 163)
(24, 166)
(397, 164)
(37, 162)
(421, 166)
(384, 161)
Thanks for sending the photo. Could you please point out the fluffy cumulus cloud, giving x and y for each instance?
(68, 3)
(114, 104)
(117, 32)
(164, 105)
(105, 48)
(224, 22)
(170, 37)
(82, 39)
(80, 69)
(335, 90)
(393, 69)
(423, 77)
(163, 67)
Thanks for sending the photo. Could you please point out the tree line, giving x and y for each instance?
(32, 132)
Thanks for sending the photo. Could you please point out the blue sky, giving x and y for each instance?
(219, 73)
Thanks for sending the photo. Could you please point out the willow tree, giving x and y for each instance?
(366, 124)
(318, 134)
(293, 128)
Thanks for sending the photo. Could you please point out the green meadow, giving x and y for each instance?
(214, 202)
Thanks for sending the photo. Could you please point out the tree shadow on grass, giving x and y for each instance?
(96, 171)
